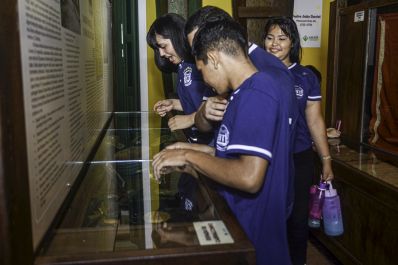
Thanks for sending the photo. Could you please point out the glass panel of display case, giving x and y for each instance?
(113, 209)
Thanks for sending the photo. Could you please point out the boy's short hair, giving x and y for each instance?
(227, 36)
(204, 15)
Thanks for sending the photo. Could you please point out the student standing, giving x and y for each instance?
(173, 54)
(282, 39)
(212, 110)
(253, 144)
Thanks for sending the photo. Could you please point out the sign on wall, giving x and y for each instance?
(67, 77)
(308, 16)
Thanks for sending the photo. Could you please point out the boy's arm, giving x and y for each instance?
(245, 173)
(203, 124)
(196, 147)
(211, 111)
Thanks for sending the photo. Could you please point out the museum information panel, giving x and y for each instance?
(67, 68)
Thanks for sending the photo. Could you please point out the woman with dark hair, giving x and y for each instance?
(173, 54)
(169, 29)
(282, 39)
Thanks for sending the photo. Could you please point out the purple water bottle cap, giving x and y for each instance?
(330, 192)
(323, 185)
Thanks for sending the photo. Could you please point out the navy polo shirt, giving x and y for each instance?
(263, 60)
(259, 121)
(307, 88)
(191, 88)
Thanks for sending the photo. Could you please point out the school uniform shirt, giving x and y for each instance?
(263, 60)
(192, 90)
(259, 121)
(307, 88)
(267, 62)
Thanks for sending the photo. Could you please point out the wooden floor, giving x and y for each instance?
(317, 254)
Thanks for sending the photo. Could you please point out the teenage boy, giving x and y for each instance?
(252, 156)
(212, 109)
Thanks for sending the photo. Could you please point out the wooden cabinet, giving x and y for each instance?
(351, 66)
(365, 177)
(368, 190)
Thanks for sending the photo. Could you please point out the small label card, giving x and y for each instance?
(212, 232)
(359, 16)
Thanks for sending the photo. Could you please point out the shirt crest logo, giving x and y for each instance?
(188, 205)
(299, 91)
(188, 76)
(222, 138)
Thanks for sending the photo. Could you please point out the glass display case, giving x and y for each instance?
(119, 214)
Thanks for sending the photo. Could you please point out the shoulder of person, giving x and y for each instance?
(304, 71)
(276, 74)
(265, 81)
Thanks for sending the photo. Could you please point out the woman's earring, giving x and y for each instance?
(216, 66)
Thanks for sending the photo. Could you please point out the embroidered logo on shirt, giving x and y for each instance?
(299, 91)
(222, 138)
(188, 205)
(187, 76)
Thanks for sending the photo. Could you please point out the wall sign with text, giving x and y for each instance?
(308, 16)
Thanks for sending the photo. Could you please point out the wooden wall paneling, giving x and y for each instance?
(15, 224)
(366, 4)
(351, 64)
(235, 11)
(261, 11)
(4, 220)
(330, 113)
(369, 222)
(253, 14)
(333, 245)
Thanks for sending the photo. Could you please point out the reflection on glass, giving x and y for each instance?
(166, 235)
(107, 212)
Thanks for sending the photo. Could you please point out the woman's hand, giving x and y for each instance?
(163, 106)
(179, 122)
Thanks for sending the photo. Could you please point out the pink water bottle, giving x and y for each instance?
(315, 211)
(313, 189)
(332, 218)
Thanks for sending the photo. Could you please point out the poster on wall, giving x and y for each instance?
(66, 88)
(308, 16)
